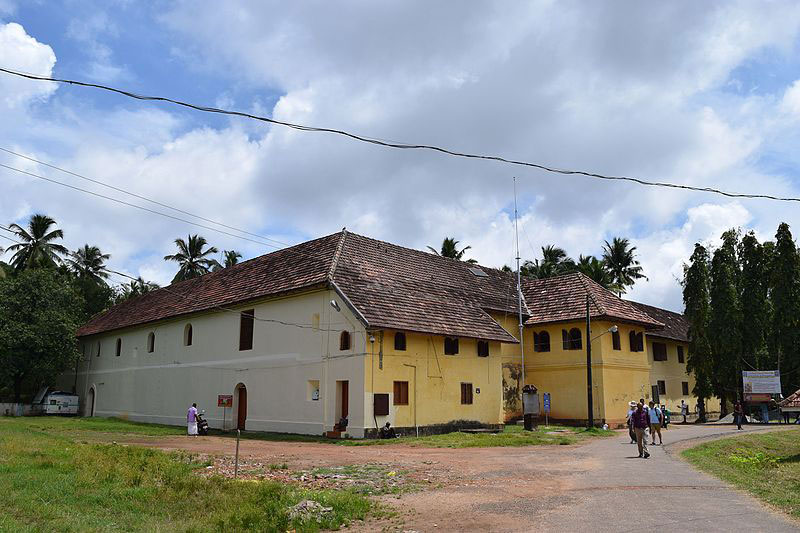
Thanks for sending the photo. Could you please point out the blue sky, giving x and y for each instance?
(698, 93)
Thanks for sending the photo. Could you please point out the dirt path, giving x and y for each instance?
(587, 487)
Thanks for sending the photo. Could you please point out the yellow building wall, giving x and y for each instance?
(436, 391)
(673, 374)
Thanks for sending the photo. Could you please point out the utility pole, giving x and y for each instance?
(519, 290)
(589, 364)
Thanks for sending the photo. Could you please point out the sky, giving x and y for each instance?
(699, 93)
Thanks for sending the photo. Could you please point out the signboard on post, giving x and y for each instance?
(546, 405)
(760, 383)
(225, 400)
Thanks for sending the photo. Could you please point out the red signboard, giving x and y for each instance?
(225, 400)
(757, 398)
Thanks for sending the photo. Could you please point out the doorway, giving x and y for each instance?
(241, 406)
(90, 401)
(342, 399)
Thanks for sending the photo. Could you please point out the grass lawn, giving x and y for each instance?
(52, 481)
(767, 465)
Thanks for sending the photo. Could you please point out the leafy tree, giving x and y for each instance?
(193, 258)
(697, 304)
(754, 261)
(134, 289)
(231, 257)
(554, 262)
(620, 259)
(596, 270)
(450, 249)
(39, 314)
(725, 326)
(38, 249)
(785, 294)
(89, 263)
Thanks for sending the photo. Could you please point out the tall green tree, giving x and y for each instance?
(39, 314)
(554, 262)
(89, 263)
(620, 259)
(785, 294)
(596, 270)
(725, 327)
(38, 248)
(756, 309)
(450, 249)
(193, 258)
(230, 258)
(134, 289)
(697, 305)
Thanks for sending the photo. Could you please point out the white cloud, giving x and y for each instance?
(20, 51)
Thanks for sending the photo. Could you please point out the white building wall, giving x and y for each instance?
(159, 387)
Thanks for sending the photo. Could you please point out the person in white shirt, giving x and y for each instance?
(655, 423)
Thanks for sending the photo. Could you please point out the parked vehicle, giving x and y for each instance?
(56, 402)
(202, 424)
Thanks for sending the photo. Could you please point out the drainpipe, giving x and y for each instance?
(416, 427)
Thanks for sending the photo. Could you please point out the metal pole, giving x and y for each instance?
(519, 289)
(589, 364)
(236, 463)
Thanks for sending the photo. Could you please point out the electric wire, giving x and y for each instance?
(405, 146)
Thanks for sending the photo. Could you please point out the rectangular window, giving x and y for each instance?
(246, 329)
(401, 393)
(450, 346)
(659, 351)
(615, 340)
(483, 348)
(662, 387)
(685, 388)
(466, 394)
(680, 355)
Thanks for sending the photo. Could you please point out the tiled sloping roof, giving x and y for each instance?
(676, 327)
(293, 268)
(563, 298)
(793, 400)
(402, 288)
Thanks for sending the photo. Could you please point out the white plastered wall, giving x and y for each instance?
(159, 387)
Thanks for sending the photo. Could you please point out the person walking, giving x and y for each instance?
(640, 423)
(191, 420)
(631, 433)
(684, 410)
(655, 423)
(738, 414)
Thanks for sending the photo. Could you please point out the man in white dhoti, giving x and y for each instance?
(191, 419)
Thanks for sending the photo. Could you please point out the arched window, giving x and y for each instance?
(151, 342)
(98, 348)
(344, 341)
(615, 340)
(541, 341)
(119, 347)
(187, 335)
(571, 339)
(400, 341)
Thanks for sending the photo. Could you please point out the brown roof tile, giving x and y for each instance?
(676, 327)
(793, 400)
(563, 298)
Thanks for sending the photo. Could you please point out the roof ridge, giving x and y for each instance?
(337, 254)
(583, 277)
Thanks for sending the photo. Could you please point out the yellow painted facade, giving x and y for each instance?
(434, 380)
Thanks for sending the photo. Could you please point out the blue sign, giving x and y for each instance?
(546, 400)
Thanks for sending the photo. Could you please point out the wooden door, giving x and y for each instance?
(345, 398)
(242, 408)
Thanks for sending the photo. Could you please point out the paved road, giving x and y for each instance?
(602, 486)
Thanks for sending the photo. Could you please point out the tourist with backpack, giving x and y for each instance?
(654, 413)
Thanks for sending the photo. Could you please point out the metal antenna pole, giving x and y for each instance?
(519, 285)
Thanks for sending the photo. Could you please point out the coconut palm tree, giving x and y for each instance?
(230, 258)
(620, 259)
(192, 258)
(89, 263)
(596, 270)
(134, 289)
(554, 262)
(450, 249)
(37, 249)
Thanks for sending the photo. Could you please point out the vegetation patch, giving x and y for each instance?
(53, 482)
(767, 465)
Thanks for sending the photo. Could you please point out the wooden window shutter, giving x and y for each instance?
(565, 339)
(246, 329)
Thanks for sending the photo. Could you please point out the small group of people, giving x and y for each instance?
(643, 418)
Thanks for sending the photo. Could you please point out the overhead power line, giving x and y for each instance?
(403, 146)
